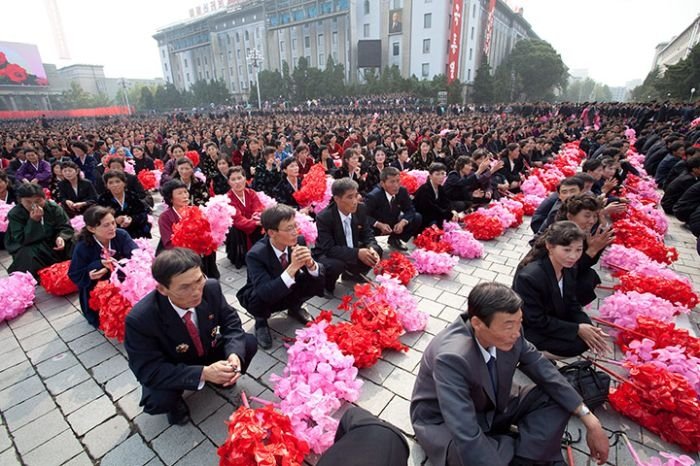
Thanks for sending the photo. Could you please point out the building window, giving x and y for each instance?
(281, 46)
(427, 20)
(186, 63)
(308, 60)
(469, 74)
(365, 30)
(334, 39)
(471, 53)
(472, 33)
(246, 35)
(188, 77)
(366, 7)
(230, 71)
(307, 42)
(426, 45)
(397, 4)
(166, 66)
(321, 60)
(228, 39)
(294, 44)
(238, 54)
(162, 52)
(250, 69)
(206, 62)
(395, 47)
(474, 11)
(238, 37)
(199, 74)
(320, 40)
(425, 70)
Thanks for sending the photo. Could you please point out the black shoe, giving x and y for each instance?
(354, 277)
(396, 243)
(179, 416)
(264, 337)
(301, 315)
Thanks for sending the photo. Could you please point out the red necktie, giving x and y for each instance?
(194, 334)
(284, 260)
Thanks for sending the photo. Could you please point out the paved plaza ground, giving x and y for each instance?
(68, 397)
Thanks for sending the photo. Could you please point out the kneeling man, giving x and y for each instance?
(184, 334)
(465, 409)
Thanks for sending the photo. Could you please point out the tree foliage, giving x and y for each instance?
(586, 90)
(675, 83)
(483, 87)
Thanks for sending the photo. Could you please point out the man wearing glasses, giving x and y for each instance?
(281, 273)
(184, 334)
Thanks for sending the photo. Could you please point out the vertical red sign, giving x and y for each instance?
(489, 27)
(455, 42)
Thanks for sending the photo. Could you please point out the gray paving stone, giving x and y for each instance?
(54, 452)
(38, 339)
(407, 361)
(9, 344)
(91, 415)
(75, 331)
(32, 315)
(401, 382)
(261, 363)
(204, 453)
(96, 355)
(81, 460)
(9, 458)
(176, 442)
(155, 462)
(62, 381)
(431, 307)
(78, 396)
(19, 392)
(45, 352)
(215, 427)
(428, 292)
(87, 342)
(397, 413)
(150, 425)
(15, 374)
(109, 368)
(133, 451)
(203, 403)
(39, 431)
(121, 385)
(106, 436)
(377, 373)
(56, 364)
(67, 320)
(452, 300)
(129, 404)
(5, 441)
(374, 398)
(249, 385)
(28, 410)
(12, 358)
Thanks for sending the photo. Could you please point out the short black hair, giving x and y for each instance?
(109, 174)
(488, 298)
(276, 214)
(571, 181)
(80, 145)
(172, 262)
(30, 190)
(287, 162)
(388, 172)
(69, 164)
(437, 167)
(693, 162)
(591, 165)
(342, 186)
(169, 188)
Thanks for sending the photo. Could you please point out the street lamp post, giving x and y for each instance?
(692, 92)
(126, 96)
(255, 58)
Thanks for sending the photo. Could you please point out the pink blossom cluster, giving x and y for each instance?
(462, 241)
(624, 308)
(532, 186)
(17, 294)
(672, 358)
(500, 212)
(4, 210)
(136, 273)
(266, 200)
(402, 300)
(78, 223)
(307, 227)
(327, 195)
(220, 214)
(317, 377)
(671, 460)
(421, 176)
(432, 262)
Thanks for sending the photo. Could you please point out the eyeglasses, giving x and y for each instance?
(190, 288)
(289, 229)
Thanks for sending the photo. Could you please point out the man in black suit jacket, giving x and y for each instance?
(184, 334)
(281, 273)
(431, 199)
(391, 211)
(464, 401)
(345, 241)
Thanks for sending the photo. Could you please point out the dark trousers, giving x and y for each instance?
(586, 283)
(540, 421)
(335, 267)
(294, 300)
(159, 401)
(410, 230)
(557, 346)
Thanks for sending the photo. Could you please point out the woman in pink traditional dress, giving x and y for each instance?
(246, 229)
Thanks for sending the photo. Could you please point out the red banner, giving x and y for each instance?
(489, 27)
(74, 113)
(455, 41)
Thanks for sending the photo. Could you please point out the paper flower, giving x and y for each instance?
(676, 291)
(261, 437)
(4, 210)
(148, 180)
(672, 358)
(193, 155)
(307, 227)
(663, 334)
(159, 165)
(532, 186)
(408, 182)
(483, 226)
(193, 231)
(433, 262)
(112, 307)
(266, 200)
(55, 279)
(392, 291)
(514, 207)
(500, 212)
(78, 223)
(530, 202)
(461, 241)
(135, 280)
(220, 214)
(431, 240)
(16, 294)
(421, 176)
(637, 236)
(397, 266)
(622, 258)
(624, 308)
(313, 186)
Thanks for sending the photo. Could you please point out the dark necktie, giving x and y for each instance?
(491, 365)
(284, 260)
(194, 334)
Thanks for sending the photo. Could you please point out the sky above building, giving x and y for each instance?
(613, 39)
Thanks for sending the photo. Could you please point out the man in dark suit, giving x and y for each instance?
(431, 200)
(184, 334)
(345, 241)
(281, 273)
(391, 211)
(464, 401)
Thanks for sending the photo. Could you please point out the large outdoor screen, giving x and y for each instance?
(20, 65)
(369, 54)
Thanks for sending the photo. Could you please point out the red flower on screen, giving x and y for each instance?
(15, 73)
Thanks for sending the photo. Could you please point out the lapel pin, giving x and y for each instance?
(211, 316)
(182, 348)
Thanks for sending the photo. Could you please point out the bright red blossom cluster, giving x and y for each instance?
(663, 334)
(194, 232)
(482, 226)
(397, 266)
(636, 236)
(108, 301)
(313, 186)
(674, 291)
(431, 240)
(55, 279)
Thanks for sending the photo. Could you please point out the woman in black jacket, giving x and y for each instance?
(130, 212)
(76, 194)
(553, 319)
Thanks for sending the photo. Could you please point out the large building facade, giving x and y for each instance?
(422, 38)
(670, 53)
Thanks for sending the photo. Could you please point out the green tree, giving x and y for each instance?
(649, 89)
(271, 86)
(146, 100)
(209, 92)
(533, 69)
(334, 78)
(168, 97)
(483, 90)
(77, 97)
(680, 78)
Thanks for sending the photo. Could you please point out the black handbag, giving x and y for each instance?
(592, 385)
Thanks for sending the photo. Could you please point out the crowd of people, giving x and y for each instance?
(68, 168)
